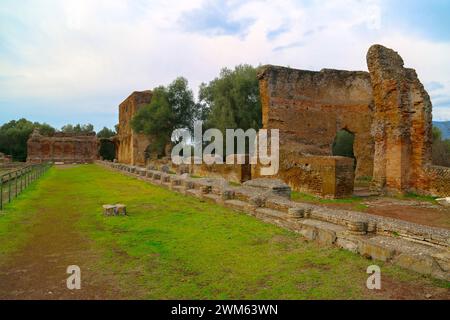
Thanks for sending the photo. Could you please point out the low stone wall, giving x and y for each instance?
(237, 173)
(231, 172)
(62, 147)
(328, 177)
(423, 249)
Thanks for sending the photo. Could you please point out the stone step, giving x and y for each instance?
(407, 254)
(194, 192)
(236, 205)
(321, 231)
(179, 189)
(212, 197)
(271, 213)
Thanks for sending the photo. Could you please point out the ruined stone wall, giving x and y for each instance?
(237, 173)
(402, 125)
(309, 108)
(324, 176)
(62, 147)
(387, 109)
(131, 146)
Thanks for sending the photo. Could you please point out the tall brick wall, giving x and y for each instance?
(402, 123)
(309, 108)
(388, 110)
(131, 146)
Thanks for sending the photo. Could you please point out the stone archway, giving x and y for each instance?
(343, 144)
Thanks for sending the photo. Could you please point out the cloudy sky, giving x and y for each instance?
(70, 61)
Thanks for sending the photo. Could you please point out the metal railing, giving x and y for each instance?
(13, 182)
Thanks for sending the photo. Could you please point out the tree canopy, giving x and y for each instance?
(78, 128)
(14, 136)
(441, 149)
(172, 107)
(232, 100)
(106, 133)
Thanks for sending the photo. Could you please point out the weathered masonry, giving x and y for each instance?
(387, 109)
(62, 147)
(130, 146)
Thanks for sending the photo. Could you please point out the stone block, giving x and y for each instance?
(114, 209)
(376, 249)
(297, 213)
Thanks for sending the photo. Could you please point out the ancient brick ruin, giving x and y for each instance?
(62, 147)
(130, 146)
(387, 109)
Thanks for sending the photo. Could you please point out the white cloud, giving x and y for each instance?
(92, 54)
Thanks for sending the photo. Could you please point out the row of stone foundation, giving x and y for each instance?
(419, 248)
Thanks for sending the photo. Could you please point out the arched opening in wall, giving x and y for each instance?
(148, 153)
(107, 149)
(345, 172)
(343, 144)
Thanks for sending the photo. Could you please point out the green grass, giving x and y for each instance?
(174, 246)
(356, 202)
(298, 196)
(17, 216)
(414, 196)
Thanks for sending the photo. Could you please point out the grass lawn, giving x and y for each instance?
(174, 246)
(356, 203)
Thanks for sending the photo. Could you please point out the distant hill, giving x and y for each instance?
(445, 128)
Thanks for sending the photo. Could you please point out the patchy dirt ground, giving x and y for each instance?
(38, 270)
(421, 212)
(414, 211)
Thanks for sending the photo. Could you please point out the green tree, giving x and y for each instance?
(343, 144)
(232, 100)
(441, 149)
(14, 136)
(181, 101)
(171, 108)
(106, 133)
(107, 149)
(78, 128)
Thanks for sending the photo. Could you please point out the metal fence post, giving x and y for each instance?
(16, 184)
(1, 192)
(26, 174)
(9, 187)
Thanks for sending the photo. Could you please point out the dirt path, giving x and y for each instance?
(38, 269)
